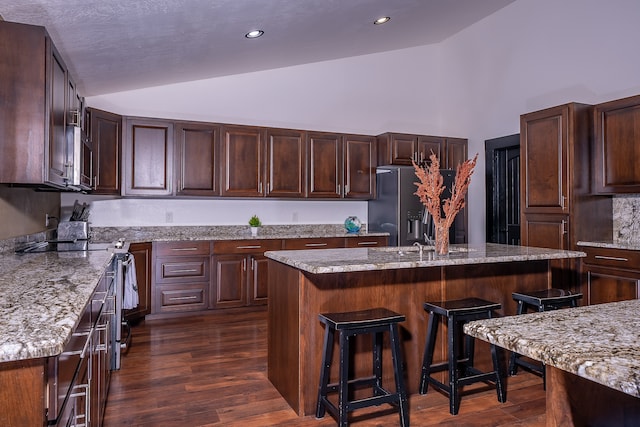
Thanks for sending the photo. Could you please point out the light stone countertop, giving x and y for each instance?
(597, 342)
(320, 261)
(41, 299)
(630, 246)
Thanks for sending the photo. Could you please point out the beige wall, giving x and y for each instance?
(22, 210)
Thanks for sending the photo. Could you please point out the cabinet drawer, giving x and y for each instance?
(618, 258)
(181, 269)
(365, 242)
(246, 246)
(186, 297)
(182, 248)
(319, 243)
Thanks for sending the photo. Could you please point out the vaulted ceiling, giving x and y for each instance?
(117, 45)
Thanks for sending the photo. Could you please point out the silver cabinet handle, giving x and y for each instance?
(183, 298)
(249, 247)
(311, 245)
(187, 270)
(367, 243)
(611, 258)
(184, 249)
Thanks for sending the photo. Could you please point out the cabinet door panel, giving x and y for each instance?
(149, 162)
(57, 147)
(197, 158)
(610, 285)
(229, 281)
(242, 170)
(456, 152)
(547, 231)
(105, 131)
(325, 160)
(544, 157)
(617, 142)
(359, 167)
(286, 163)
(259, 278)
(431, 144)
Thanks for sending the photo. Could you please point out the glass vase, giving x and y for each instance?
(442, 239)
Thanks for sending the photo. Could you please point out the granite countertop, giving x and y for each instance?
(597, 342)
(41, 299)
(222, 232)
(318, 261)
(629, 246)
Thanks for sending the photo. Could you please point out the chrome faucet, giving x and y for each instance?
(420, 247)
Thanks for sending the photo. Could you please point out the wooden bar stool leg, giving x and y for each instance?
(343, 392)
(432, 330)
(396, 357)
(500, 388)
(325, 370)
(454, 394)
(377, 363)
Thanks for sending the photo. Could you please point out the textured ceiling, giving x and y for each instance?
(116, 45)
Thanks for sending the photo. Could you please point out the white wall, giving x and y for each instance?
(529, 55)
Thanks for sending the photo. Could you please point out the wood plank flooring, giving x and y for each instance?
(211, 370)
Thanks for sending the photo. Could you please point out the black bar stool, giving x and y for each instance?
(349, 324)
(461, 370)
(543, 300)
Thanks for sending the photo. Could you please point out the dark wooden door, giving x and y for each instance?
(229, 281)
(149, 157)
(142, 255)
(57, 142)
(105, 129)
(197, 159)
(359, 166)
(428, 145)
(325, 165)
(617, 141)
(456, 152)
(502, 181)
(259, 276)
(610, 285)
(242, 162)
(544, 160)
(286, 163)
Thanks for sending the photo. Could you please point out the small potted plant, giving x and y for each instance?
(254, 223)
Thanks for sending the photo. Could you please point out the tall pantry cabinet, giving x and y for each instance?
(558, 208)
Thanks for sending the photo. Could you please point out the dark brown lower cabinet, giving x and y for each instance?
(610, 275)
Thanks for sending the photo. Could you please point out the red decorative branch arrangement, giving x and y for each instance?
(430, 189)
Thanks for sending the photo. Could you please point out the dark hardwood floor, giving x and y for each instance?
(211, 370)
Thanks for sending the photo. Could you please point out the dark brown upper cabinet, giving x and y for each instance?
(325, 165)
(403, 149)
(286, 167)
(243, 149)
(35, 108)
(341, 166)
(360, 162)
(105, 130)
(149, 147)
(617, 146)
(197, 159)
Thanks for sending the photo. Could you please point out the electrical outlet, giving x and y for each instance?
(169, 217)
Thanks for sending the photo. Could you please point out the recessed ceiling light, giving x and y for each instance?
(381, 20)
(254, 34)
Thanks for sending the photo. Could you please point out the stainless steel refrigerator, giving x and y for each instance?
(398, 211)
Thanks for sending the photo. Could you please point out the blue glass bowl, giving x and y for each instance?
(352, 224)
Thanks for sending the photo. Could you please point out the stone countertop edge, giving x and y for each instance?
(322, 261)
(597, 342)
(630, 246)
(223, 232)
(41, 299)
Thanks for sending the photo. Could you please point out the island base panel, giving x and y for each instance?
(579, 402)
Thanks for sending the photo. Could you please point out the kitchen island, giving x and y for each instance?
(303, 284)
(592, 359)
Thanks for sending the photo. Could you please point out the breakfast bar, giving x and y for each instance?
(303, 284)
(591, 355)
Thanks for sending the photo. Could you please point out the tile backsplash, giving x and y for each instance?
(626, 219)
